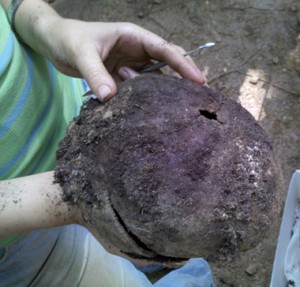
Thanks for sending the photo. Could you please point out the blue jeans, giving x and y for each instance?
(71, 256)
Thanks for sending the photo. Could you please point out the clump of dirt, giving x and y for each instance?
(171, 169)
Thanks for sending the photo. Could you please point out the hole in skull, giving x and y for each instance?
(209, 115)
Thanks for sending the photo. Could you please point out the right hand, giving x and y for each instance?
(102, 52)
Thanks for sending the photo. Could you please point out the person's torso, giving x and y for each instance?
(36, 105)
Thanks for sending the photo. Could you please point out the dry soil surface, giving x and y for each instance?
(256, 62)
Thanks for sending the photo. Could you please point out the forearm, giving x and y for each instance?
(32, 21)
(33, 202)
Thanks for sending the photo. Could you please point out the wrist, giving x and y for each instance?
(11, 11)
(75, 215)
(32, 23)
(46, 35)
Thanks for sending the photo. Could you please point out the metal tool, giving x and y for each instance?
(159, 65)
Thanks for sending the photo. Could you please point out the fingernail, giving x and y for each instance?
(202, 76)
(123, 72)
(103, 92)
(127, 73)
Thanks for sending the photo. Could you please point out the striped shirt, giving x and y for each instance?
(36, 105)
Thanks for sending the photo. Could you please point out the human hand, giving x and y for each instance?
(105, 53)
(102, 53)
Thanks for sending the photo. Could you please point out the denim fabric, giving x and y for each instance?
(71, 256)
(23, 258)
(195, 273)
(65, 256)
(2, 253)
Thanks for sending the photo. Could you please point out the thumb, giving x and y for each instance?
(100, 81)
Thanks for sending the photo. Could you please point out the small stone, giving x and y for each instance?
(108, 114)
(141, 14)
(220, 85)
(216, 36)
(252, 269)
(275, 60)
(156, 1)
(294, 8)
(253, 80)
(298, 17)
(296, 86)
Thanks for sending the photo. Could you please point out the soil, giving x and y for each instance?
(255, 62)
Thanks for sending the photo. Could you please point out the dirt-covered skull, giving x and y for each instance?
(171, 169)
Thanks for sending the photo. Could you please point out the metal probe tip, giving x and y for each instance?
(210, 44)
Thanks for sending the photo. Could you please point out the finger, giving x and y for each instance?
(159, 49)
(185, 66)
(127, 73)
(93, 70)
(191, 62)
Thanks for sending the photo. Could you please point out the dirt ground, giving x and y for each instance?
(256, 61)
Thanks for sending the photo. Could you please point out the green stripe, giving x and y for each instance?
(4, 242)
(32, 126)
